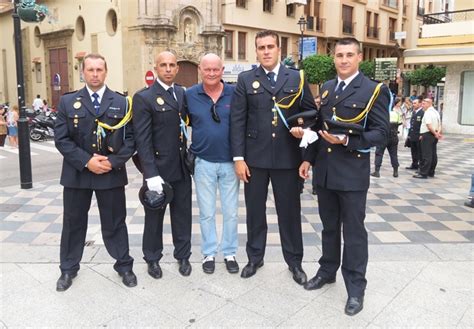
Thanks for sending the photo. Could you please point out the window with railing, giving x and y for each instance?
(392, 24)
(290, 10)
(390, 3)
(229, 44)
(242, 45)
(347, 24)
(241, 3)
(267, 6)
(420, 9)
(284, 47)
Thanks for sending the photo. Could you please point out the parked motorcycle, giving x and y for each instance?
(42, 126)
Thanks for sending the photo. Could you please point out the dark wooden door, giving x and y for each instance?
(58, 74)
(188, 74)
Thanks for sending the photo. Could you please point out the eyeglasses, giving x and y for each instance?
(214, 114)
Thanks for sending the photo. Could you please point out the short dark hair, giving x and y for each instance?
(38, 96)
(349, 41)
(94, 56)
(267, 33)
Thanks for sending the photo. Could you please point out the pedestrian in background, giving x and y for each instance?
(414, 134)
(12, 124)
(37, 103)
(391, 145)
(3, 126)
(430, 134)
(208, 107)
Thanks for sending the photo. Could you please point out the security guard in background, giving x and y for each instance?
(414, 134)
(391, 145)
(94, 162)
(161, 145)
(342, 165)
(265, 150)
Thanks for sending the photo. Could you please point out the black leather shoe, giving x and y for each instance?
(420, 176)
(411, 167)
(129, 278)
(209, 265)
(298, 274)
(231, 265)
(395, 172)
(314, 192)
(318, 282)
(184, 267)
(375, 174)
(154, 270)
(469, 203)
(354, 305)
(65, 281)
(250, 269)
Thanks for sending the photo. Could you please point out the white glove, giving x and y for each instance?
(309, 137)
(155, 184)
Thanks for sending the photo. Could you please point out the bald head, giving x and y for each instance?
(426, 103)
(166, 67)
(211, 70)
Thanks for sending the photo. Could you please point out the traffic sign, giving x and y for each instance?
(401, 35)
(149, 78)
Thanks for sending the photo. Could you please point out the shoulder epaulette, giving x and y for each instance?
(120, 94)
(70, 92)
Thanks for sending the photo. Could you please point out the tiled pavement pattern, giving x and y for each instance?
(399, 210)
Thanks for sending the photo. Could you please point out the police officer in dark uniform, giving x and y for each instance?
(414, 134)
(94, 162)
(342, 165)
(161, 145)
(265, 150)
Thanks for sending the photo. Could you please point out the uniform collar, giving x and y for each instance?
(275, 70)
(348, 80)
(99, 92)
(164, 85)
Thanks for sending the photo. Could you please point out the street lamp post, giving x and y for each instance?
(23, 130)
(302, 23)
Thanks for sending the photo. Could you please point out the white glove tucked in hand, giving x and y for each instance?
(155, 184)
(309, 137)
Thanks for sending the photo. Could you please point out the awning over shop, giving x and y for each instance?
(438, 55)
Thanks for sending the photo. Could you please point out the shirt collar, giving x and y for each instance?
(164, 85)
(348, 80)
(99, 92)
(275, 70)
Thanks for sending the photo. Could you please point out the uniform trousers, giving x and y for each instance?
(415, 153)
(346, 209)
(181, 220)
(285, 184)
(392, 147)
(429, 155)
(112, 210)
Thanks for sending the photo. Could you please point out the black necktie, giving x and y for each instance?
(96, 102)
(271, 77)
(339, 88)
(171, 92)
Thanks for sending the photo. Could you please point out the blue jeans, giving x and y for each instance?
(208, 176)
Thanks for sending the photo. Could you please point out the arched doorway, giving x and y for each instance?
(188, 74)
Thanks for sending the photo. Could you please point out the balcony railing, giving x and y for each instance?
(391, 36)
(449, 17)
(373, 32)
(348, 27)
(316, 23)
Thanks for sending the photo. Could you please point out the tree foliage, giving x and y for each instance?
(367, 68)
(319, 68)
(426, 76)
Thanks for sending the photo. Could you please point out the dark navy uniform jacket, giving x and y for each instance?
(253, 136)
(75, 138)
(415, 124)
(346, 168)
(160, 144)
